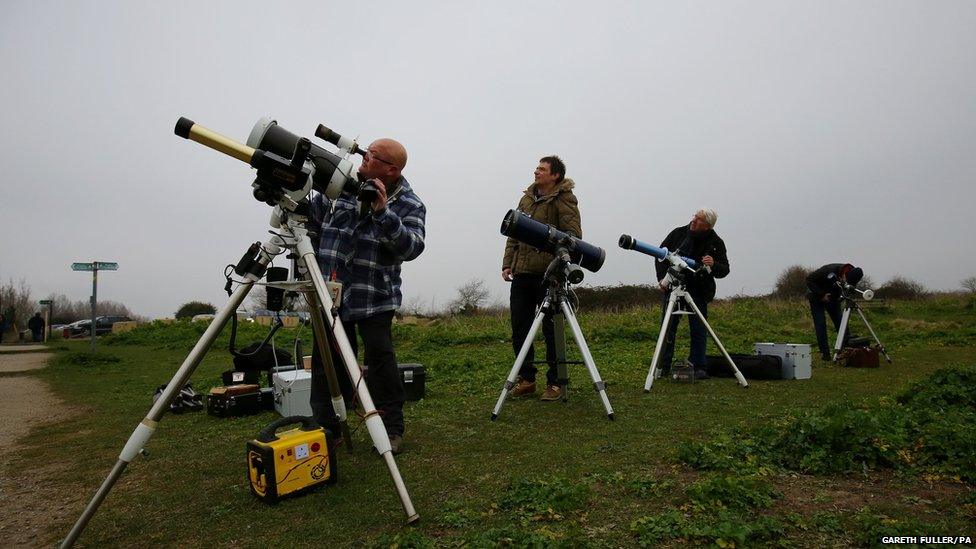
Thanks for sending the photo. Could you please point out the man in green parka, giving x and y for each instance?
(549, 200)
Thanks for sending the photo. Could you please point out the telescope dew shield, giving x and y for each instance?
(332, 173)
(547, 238)
(188, 129)
(628, 242)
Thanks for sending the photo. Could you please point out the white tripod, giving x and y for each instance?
(679, 292)
(286, 184)
(556, 303)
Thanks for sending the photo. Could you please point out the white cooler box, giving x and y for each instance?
(291, 392)
(795, 357)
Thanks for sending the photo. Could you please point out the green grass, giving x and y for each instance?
(543, 474)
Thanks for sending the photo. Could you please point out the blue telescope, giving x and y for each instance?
(628, 242)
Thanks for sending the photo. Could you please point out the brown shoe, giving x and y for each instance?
(553, 392)
(395, 442)
(523, 388)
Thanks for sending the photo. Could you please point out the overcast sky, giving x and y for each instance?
(819, 131)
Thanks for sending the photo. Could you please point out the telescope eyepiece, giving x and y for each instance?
(626, 242)
(330, 136)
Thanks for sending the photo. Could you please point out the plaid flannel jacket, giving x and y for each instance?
(365, 253)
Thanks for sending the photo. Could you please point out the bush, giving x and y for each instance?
(931, 427)
(901, 288)
(622, 296)
(792, 282)
(193, 308)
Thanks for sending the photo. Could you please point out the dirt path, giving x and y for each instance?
(27, 504)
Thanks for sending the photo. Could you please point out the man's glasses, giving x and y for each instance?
(371, 155)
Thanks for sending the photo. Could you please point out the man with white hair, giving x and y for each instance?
(698, 241)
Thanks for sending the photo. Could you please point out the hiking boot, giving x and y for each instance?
(395, 442)
(553, 392)
(701, 373)
(522, 388)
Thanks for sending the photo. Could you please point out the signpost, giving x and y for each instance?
(94, 267)
(47, 317)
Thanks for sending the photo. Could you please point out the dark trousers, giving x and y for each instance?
(817, 310)
(699, 334)
(382, 374)
(528, 291)
(38, 334)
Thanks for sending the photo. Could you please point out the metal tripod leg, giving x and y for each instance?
(523, 352)
(562, 369)
(147, 427)
(841, 331)
(320, 335)
(374, 424)
(870, 329)
(735, 370)
(598, 383)
(660, 341)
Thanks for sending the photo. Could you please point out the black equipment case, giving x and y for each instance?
(751, 366)
(234, 400)
(414, 378)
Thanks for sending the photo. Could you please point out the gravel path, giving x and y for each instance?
(28, 504)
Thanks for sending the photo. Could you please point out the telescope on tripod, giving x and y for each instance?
(570, 254)
(288, 169)
(679, 267)
(851, 304)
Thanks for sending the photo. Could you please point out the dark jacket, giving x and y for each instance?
(559, 209)
(35, 323)
(696, 246)
(823, 282)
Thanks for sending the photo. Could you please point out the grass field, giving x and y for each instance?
(543, 474)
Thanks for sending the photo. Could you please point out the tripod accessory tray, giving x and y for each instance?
(292, 462)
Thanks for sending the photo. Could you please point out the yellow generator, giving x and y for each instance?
(292, 462)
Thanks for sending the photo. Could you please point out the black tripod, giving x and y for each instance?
(559, 275)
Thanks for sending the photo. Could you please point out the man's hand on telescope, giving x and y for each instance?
(708, 260)
(380, 203)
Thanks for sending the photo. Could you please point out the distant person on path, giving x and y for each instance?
(823, 292)
(36, 325)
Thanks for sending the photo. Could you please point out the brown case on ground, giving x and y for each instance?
(862, 357)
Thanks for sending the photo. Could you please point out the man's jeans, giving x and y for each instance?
(528, 291)
(817, 310)
(382, 374)
(699, 334)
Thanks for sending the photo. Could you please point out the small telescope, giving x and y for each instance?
(547, 238)
(868, 295)
(628, 242)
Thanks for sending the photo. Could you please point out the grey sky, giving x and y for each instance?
(820, 131)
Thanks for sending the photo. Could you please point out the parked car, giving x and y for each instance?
(75, 329)
(103, 325)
